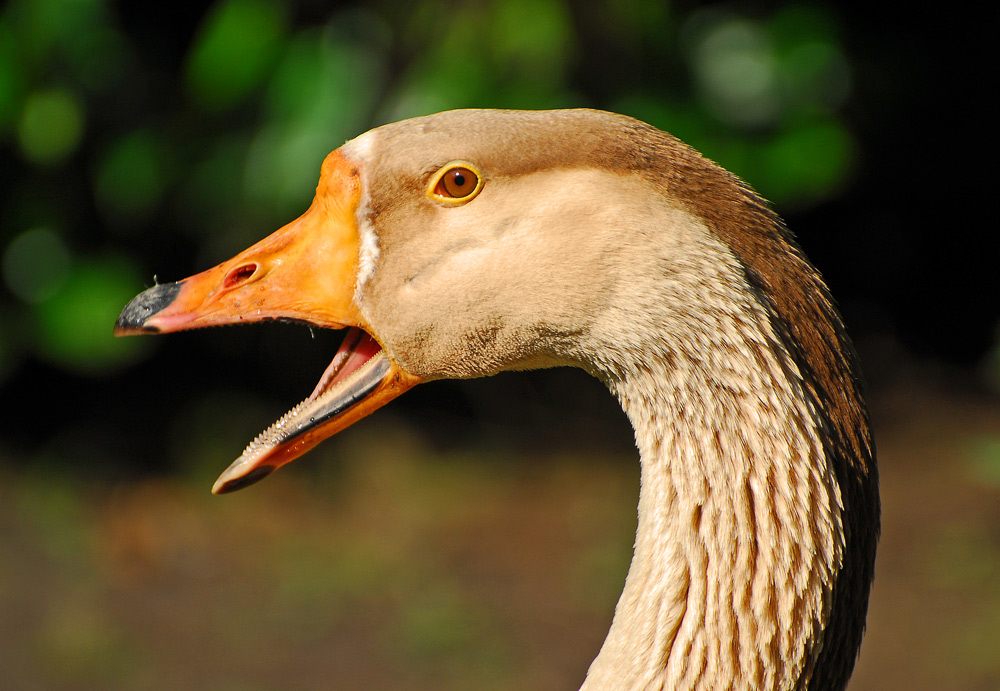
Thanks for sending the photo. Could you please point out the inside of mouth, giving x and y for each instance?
(343, 382)
(356, 349)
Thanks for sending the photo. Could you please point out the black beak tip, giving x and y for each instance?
(253, 477)
(133, 318)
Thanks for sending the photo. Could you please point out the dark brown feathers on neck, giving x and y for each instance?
(806, 320)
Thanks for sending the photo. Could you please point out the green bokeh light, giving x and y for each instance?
(807, 162)
(735, 70)
(318, 96)
(131, 177)
(75, 323)
(51, 126)
(533, 36)
(35, 264)
(236, 47)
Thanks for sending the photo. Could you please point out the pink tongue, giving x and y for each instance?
(357, 349)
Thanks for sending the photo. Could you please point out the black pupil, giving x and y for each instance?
(459, 179)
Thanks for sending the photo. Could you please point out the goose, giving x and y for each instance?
(470, 242)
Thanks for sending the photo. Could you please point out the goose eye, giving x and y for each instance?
(457, 183)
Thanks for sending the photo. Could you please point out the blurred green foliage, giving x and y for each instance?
(111, 147)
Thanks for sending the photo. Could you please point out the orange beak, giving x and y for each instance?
(305, 271)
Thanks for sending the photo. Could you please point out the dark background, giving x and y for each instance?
(153, 139)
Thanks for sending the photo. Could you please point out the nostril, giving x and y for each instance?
(241, 274)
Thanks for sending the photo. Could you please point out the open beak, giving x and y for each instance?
(303, 272)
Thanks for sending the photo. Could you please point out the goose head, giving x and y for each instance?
(466, 243)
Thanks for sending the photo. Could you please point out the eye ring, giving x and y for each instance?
(455, 183)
